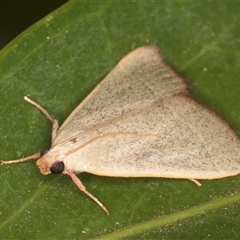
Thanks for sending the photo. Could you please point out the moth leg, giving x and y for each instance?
(45, 112)
(195, 181)
(79, 184)
(34, 156)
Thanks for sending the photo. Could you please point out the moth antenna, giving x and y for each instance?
(38, 106)
(45, 112)
(79, 184)
(34, 156)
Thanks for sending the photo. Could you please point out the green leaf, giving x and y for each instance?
(57, 62)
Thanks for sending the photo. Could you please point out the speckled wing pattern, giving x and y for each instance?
(140, 121)
(140, 78)
(186, 140)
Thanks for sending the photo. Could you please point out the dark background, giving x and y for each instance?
(16, 16)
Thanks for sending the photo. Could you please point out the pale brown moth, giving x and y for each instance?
(141, 121)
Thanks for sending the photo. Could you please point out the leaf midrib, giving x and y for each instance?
(171, 218)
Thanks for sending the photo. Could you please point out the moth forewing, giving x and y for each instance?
(140, 78)
(158, 141)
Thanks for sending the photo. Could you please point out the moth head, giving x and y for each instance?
(48, 164)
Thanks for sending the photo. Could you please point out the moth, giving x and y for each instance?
(140, 121)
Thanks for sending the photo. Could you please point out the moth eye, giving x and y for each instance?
(43, 152)
(57, 168)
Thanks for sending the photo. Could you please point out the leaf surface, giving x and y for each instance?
(57, 62)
